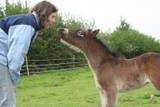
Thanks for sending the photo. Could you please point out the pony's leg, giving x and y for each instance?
(156, 82)
(152, 70)
(108, 98)
(154, 76)
(103, 98)
(111, 98)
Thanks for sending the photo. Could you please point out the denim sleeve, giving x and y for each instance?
(19, 39)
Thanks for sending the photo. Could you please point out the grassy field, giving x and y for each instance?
(75, 88)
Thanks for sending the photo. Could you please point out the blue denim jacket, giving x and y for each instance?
(16, 34)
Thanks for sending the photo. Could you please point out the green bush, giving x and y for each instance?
(130, 42)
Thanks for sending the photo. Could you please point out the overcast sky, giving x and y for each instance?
(143, 15)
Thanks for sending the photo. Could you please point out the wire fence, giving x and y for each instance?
(45, 65)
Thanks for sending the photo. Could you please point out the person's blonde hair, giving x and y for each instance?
(43, 9)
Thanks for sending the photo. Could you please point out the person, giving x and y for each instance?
(16, 35)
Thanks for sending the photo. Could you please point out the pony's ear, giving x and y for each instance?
(95, 32)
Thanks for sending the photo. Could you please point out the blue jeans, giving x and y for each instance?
(7, 89)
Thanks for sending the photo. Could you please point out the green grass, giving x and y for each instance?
(75, 88)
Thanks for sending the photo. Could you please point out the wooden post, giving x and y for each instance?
(73, 61)
(27, 66)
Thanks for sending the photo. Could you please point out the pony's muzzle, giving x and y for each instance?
(63, 31)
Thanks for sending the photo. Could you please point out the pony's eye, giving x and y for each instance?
(80, 33)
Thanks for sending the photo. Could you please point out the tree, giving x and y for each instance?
(123, 25)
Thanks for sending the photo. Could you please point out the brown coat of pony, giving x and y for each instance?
(113, 74)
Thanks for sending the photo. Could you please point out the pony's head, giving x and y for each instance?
(78, 38)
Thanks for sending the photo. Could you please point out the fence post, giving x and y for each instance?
(73, 61)
(27, 65)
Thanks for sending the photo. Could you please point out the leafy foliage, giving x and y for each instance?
(130, 42)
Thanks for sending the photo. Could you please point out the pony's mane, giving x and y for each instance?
(107, 49)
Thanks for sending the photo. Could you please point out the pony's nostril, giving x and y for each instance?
(61, 29)
(64, 30)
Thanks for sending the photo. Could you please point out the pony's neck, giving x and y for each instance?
(97, 54)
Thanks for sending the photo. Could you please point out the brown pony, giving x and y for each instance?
(113, 74)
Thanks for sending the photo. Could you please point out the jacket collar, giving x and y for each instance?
(36, 17)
